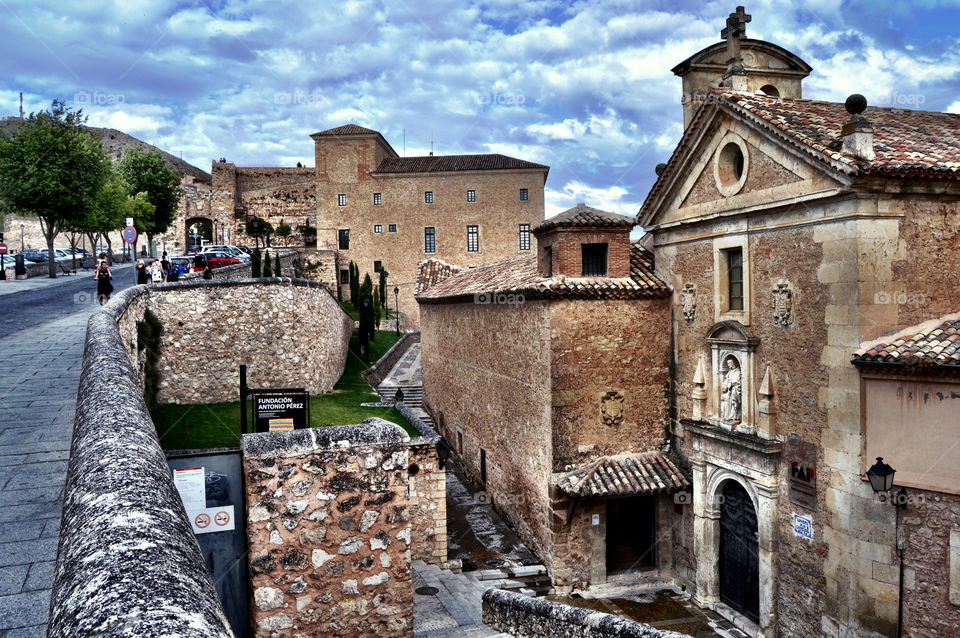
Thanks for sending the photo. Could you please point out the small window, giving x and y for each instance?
(473, 239)
(344, 238)
(548, 261)
(429, 239)
(471, 196)
(377, 199)
(344, 276)
(377, 265)
(523, 194)
(593, 260)
(392, 228)
(460, 443)
(428, 197)
(735, 278)
(378, 228)
(524, 236)
(342, 199)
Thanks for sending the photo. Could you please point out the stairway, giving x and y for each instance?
(412, 398)
(531, 580)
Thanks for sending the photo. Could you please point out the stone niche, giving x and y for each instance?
(733, 396)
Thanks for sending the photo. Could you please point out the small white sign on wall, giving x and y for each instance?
(595, 519)
(803, 526)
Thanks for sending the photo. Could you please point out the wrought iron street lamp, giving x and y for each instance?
(880, 476)
(398, 397)
(396, 309)
(443, 452)
(21, 237)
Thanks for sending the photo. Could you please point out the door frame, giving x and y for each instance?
(725, 507)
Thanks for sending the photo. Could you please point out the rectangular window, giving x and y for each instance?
(593, 260)
(548, 261)
(344, 276)
(460, 443)
(428, 197)
(342, 199)
(378, 228)
(377, 199)
(429, 239)
(473, 239)
(377, 266)
(735, 277)
(392, 228)
(344, 236)
(471, 196)
(524, 236)
(523, 194)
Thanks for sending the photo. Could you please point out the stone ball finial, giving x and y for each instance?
(659, 169)
(855, 104)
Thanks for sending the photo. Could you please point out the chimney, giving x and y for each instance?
(857, 134)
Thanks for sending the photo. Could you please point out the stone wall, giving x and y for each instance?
(319, 265)
(566, 253)
(528, 617)
(289, 333)
(128, 562)
(375, 374)
(329, 531)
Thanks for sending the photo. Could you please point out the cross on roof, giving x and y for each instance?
(736, 28)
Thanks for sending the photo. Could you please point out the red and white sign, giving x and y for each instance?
(202, 520)
(129, 234)
(3, 249)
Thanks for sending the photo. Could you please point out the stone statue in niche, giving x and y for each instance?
(611, 408)
(782, 305)
(730, 391)
(688, 297)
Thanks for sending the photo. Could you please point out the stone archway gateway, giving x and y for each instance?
(198, 229)
(739, 558)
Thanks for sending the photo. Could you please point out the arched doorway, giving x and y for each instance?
(199, 230)
(739, 557)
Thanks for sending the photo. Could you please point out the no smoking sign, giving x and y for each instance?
(213, 519)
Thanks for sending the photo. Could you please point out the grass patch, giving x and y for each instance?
(218, 424)
(350, 310)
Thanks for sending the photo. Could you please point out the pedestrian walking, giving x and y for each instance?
(174, 273)
(199, 262)
(142, 277)
(103, 276)
(165, 265)
(156, 272)
(207, 273)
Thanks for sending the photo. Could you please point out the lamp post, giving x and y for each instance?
(880, 476)
(364, 337)
(21, 237)
(396, 304)
(255, 227)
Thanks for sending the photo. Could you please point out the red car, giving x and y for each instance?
(218, 259)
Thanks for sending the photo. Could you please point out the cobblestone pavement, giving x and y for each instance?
(40, 369)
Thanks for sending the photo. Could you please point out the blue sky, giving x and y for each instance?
(584, 87)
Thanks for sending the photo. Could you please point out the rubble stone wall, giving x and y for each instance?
(428, 492)
(328, 523)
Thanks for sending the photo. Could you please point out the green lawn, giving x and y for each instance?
(218, 424)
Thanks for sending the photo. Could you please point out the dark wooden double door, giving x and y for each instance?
(739, 561)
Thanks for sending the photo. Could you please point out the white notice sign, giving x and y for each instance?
(213, 519)
(192, 486)
(803, 526)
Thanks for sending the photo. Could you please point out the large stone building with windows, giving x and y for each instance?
(809, 250)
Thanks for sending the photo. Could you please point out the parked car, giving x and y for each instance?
(35, 256)
(182, 262)
(230, 250)
(217, 259)
(246, 249)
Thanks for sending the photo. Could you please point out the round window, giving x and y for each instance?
(769, 89)
(730, 166)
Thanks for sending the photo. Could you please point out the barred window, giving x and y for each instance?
(342, 199)
(735, 277)
(377, 199)
(429, 239)
(593, 260)
(344, 276)
(473, 239)
(471, 196)
(392, 228)
(524, 236)
(428, 197)
(378, 228)
(523, 194)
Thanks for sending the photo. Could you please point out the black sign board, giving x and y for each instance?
(280, 410)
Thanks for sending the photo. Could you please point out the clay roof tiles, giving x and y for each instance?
(625, 475)
(347, 129)
(935, 343)
(520, 276)
(452, 163)
(582, 215)
(432, 271)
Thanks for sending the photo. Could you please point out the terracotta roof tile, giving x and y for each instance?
(625, 475)
(582, 215)
(432, 271)
(520, 276)
(935, 343)
(450, 163)
(347, 129)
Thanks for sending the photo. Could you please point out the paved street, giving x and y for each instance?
(42, 327)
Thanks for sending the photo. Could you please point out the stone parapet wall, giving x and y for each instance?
(128, 562)
(319, 265)
(527, 617)
(375, 374)
(329, 531)
(428, 492)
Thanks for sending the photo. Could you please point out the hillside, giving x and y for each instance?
(116, 142)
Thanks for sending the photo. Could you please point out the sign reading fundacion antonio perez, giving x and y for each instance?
(280, 411)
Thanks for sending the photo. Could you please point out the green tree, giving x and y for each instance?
(283, 231)
(110, 208)
(52, 168)
(377, 312)
(354, 284)
(278, 271)
(383, 290)
(146, 172)
(365, 310)
(267, 266)
(259, 229)
(255, 262)
(309, 234)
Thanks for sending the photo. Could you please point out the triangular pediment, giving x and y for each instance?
(697, 183)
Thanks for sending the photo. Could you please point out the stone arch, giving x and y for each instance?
(205, 222)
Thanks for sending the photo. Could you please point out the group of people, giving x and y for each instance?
(158, 272)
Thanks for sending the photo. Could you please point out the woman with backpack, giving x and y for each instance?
(103, 275)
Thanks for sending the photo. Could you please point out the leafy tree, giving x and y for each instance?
(255, 261)
(146, 172)
(52, 168)
(383, 290)
(267, 266)
(262, 228)
(283, 231)
(110, 208)
(309, 234)
(276, 265)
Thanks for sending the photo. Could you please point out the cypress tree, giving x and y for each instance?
(267, 266)
(276, 265)
(255, 262)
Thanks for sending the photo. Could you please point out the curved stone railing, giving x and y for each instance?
(375, 374)
(128, 563)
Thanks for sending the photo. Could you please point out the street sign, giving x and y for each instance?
(280, 410)
(129, 221)
(3, 249)
(129, 234)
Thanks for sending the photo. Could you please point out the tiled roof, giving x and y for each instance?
(432, 271)
(449, 163)
(905, 141)
(520, 276)
(625, 475)
(934, 343)
(347, 129)
(583, 215)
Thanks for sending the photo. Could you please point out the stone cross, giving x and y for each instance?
(736, 28)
